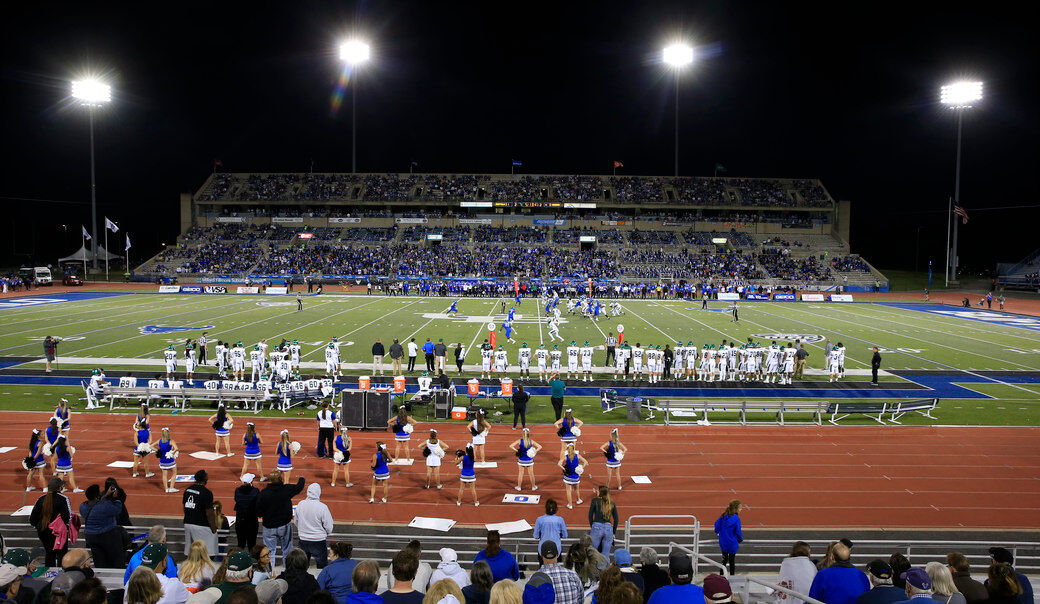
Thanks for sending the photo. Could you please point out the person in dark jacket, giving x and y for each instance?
(247, 522)
(520, 400)
(875, 365)
(47, 508)
(839, 583)
(301, 583)
(124, 515)
(274, 505)
(105, 538)
(1002, 555)
(403, 569)
(974, 591)
(479, 589)
(881, 591)
(378, 352)
(1003, 584)
(503, 564)
(727, 527)
(653, 575)
(396, 354)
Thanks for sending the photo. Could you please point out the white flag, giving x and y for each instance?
(86, 235)
(127, 248)
(111, 225)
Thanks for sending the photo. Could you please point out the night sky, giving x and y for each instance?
(848, 95)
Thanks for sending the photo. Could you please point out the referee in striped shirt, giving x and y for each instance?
(611, 343)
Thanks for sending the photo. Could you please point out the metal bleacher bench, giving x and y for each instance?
(113, 394)
(876, 410)
(700, 410)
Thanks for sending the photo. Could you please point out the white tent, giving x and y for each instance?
(84, 254)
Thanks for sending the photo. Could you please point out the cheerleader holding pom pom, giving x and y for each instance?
(62, 414)
(252, 442)
(51, 434)
(380, 471)
(35, 463)
(64, 452)
(222, 424)
(465, 460)
(402, 425)
(573, 466)
(479, 429)
(525, 448)
(286, 449)
(341, 456)
(142, 448)
(433, 451)
(569, 429)
(614, 451)
(166, 450)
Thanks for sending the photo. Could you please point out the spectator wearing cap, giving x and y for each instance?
(199, 522)
(918, 585)
(247, 523)
(365, 579)
(448, 568)
(300, 583)
(1002, 555)
(271, 591)
(154, 556)
(503, 564)
(653, 575)
(717, 589)
(314, 523)
(275, 507)
(10, 581)
(796, 572)
(566, 584)
(156, 534)
(839, 583)
(336, 578)
(403, 567)
(63, 584)
(1002, 584)
(681, 590)
(28, 585)
(239, 574)
(550, 527)
(881, 589)
(943, 588)
(623, 558)
(974, 591)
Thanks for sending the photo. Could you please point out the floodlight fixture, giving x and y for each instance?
(354, 52)
(91, 92)
(678, 55)
(961, 95)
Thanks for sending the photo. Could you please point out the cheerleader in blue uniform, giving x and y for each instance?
(569, 429)
(143, 414)
(285, 453)
(166, 450)
(51, 434)
(252, 442)
(142, 447)
(402, 425)
(614, 451)
(380, 471)
(222, 424)
(465, 460)
(525, 448)
(573, 466)
(341, 456)
(35, 462)
(65, 452)
(62, 414)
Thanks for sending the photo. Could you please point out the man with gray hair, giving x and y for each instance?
(881, 591)
(653, 575)
(157, 534)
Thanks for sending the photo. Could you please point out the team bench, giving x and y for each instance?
(679, 411)
(229, 392)
(876, 410)
(178, 395)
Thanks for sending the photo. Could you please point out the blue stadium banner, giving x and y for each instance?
(517, 163)
(549, 221)
(784, 297)
(191, 289)
(758, 297)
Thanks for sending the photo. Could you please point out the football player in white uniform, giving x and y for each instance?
(572, 359)
(841, 360)
(238, 361)
(524, 356)
(501, 361)
(486, 356)
(586, 362)
(221, 359)
(555, 355)
(637, 361)
(679, 355)
(772, 363)
(189, 364)
(620, 359)
(651, 362)
(170, 357)
(331, 360)
(554, 330)
(788, 356)
(256, 362)
(835, 369)
(294, 354)
(542, 356)
(722, 359)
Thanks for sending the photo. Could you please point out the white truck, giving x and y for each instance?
(40, 275)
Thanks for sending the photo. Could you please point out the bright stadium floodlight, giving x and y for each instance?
(353, 52)
(961, 95)
(91, 92)
(678, 55)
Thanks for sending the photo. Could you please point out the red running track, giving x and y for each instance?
(870, 477)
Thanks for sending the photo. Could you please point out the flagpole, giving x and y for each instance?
(127, 250)
(83, 238)
(949, 217)
(106, 248)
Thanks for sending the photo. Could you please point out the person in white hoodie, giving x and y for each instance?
(314, 524)
(448, 568)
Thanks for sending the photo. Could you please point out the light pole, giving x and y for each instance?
(958, 96)
(354, 53)
(91, 94)
(677, 56)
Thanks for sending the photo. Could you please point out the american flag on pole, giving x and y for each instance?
(960, 211)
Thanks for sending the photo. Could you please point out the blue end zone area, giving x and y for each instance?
(27, 301)
(973, 314)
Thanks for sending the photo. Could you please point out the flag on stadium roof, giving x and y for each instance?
(960, 211)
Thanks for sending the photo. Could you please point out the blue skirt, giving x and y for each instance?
(64, 466)
(572, 479)
(256, 455)
(223, 432)
(167, 464)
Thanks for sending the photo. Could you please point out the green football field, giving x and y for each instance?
(129, 333)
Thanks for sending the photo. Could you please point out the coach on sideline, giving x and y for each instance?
(875, 364)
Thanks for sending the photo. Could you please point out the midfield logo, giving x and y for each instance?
(161, 329)
(457, 318)
(804, 337)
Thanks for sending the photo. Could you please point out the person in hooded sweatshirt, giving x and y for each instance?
(727, 527)
(839, 583)
(503, 564)
(448, 568)
(314, 525)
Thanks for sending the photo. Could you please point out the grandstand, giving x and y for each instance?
(1022, 275)
(385, 227)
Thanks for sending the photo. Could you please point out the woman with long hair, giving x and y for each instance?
(614, 451)
(64, 452)
(262, 568)
(1003, 584)
(142, 447)
(479, 429)
(797, 571)
(143, 414)
(143, 587)
(468, 475)
(943, 588)
(35, 462)
(603, 518)
(433, 451)
(569, 429)
(252, 442)
(51, 506)
(166, 450)
(197, 571)
(222, 424)
(573, 466)
(525, 448)
(341, 456)
(63, 415)
(480, 583)
(285, 453)
(578, 560)
(440, 590)
(380, 471)
(506, 591)
(727, 527)
(51, 433)
(609, 582)
(402, 425)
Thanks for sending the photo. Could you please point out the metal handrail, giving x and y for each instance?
(697, 558)
(780, 588)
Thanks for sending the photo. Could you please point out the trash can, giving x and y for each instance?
(632, 408)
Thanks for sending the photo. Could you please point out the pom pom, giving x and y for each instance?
(294, 446)
(619, 455)
(337, 457)
(72, 451)
(576, 431)
(143, 448)
(176, 453)
(531, 452)
(408, 428)
(47, 451)
(579, 470)
(28, 463)
(229, 424)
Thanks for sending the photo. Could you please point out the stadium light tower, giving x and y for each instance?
(677, 56)
(354, 53)
(92, 93)
(958, 96)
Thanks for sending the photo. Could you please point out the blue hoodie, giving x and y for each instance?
(503, 565)
(728, 530)
(335, 578)
(839, 584)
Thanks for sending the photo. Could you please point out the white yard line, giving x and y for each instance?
(954, 322)
(409, 305)
(145, 305)
(482, 326)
